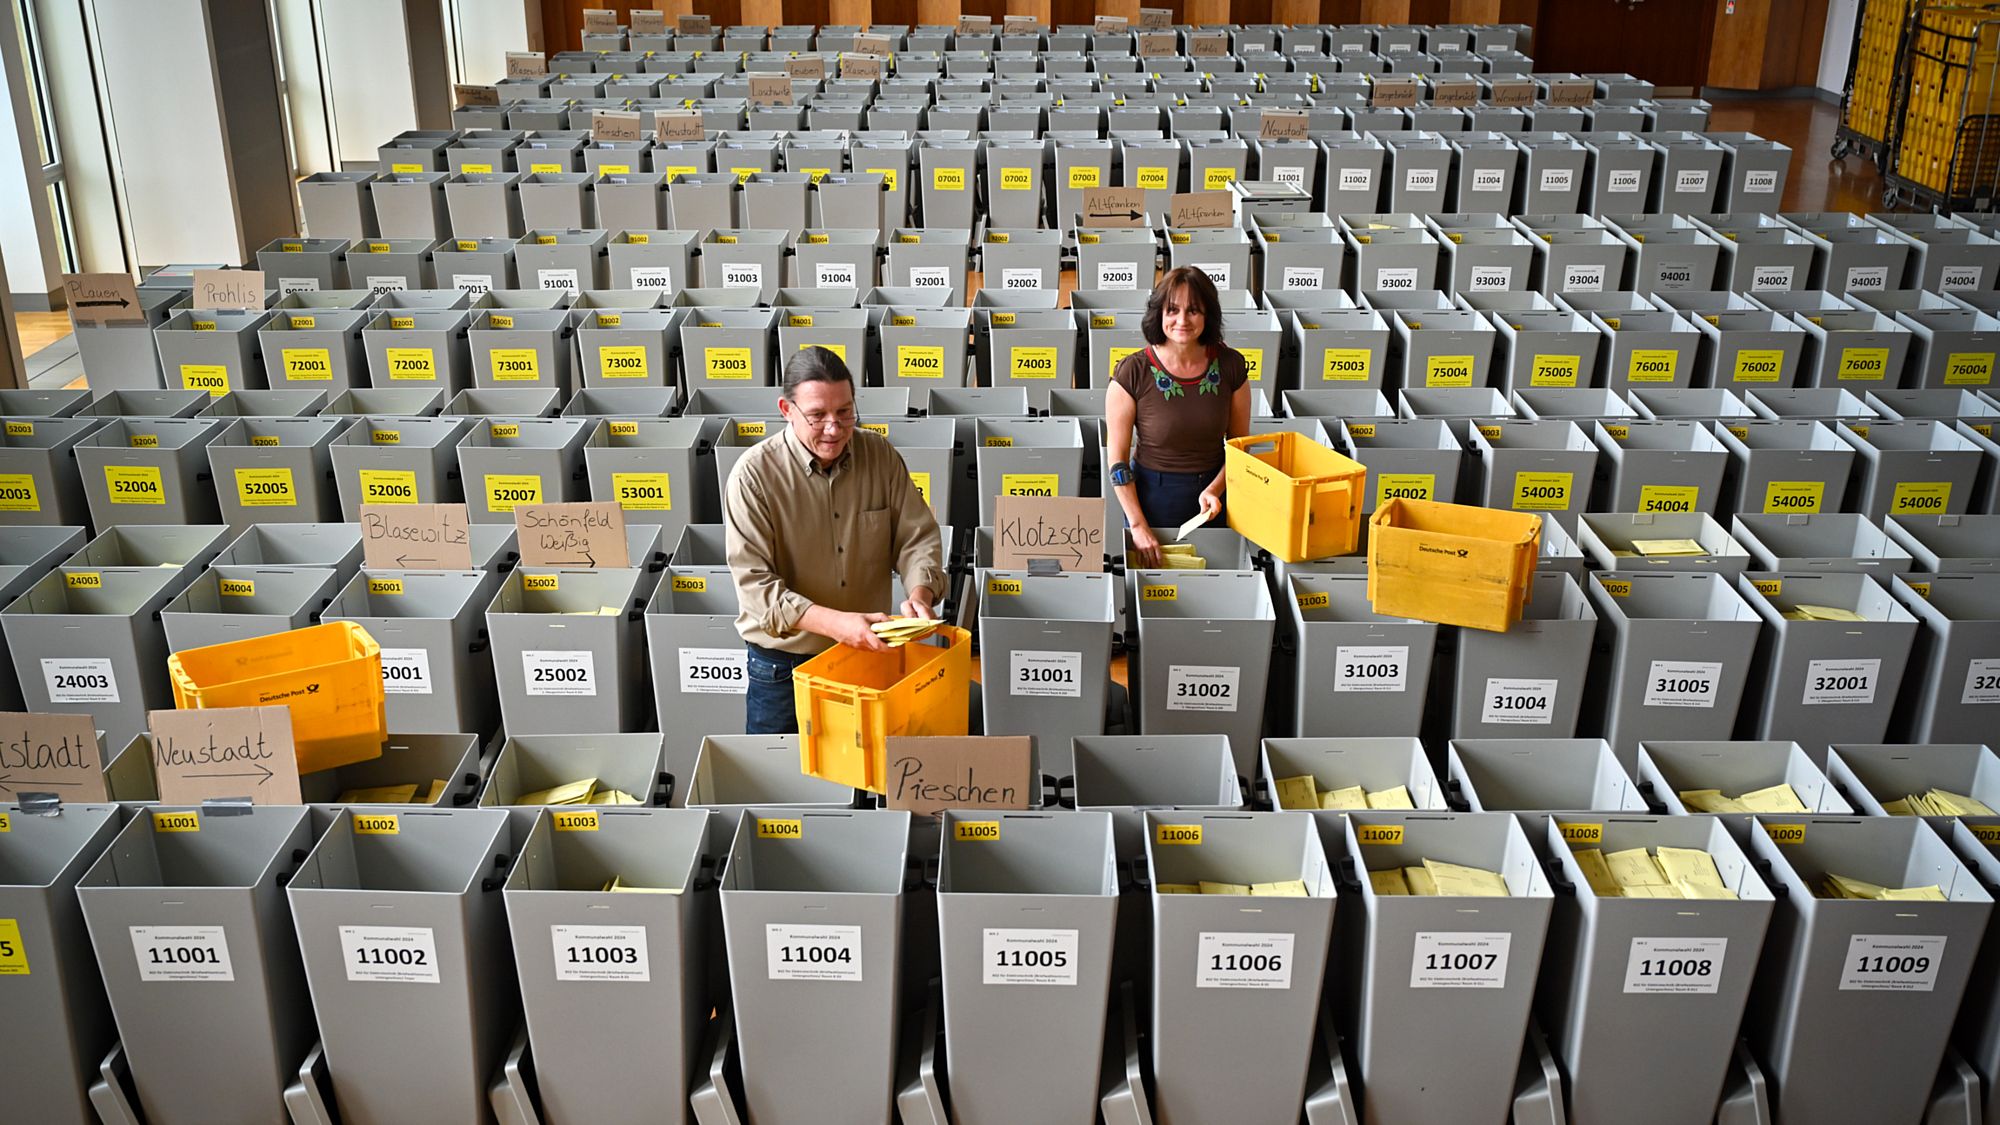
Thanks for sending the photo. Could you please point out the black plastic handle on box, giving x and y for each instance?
(663, 790)
(494, 882)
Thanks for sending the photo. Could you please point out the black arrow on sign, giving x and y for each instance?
(39, 784)
(1075, 555)
(1128, 213)
(120, 302)
(404, 560)
(262, 775)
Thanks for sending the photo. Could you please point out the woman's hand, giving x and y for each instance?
(1146, 545)
(1211, 503)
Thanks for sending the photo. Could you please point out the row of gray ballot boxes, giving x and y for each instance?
(397, 963)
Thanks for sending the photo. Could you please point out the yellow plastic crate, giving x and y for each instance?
(1452, 563)
(329, 675)
(1293, 496)
(851, 702)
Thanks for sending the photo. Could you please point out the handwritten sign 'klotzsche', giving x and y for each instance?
(1065, 530)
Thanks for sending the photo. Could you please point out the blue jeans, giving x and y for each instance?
(768, 706)
(1169, 500)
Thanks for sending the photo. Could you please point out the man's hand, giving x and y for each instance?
(918, 604)
(1146, 545)
(852, 629)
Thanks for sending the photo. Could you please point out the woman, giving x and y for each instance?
(1181, 396)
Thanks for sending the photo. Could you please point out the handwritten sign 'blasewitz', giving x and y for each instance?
(527, 64)
(930, 775)
(1194, 209)
(99, 298)
(50, 753)
(587, 534)
(227, 289)
(1068, 530)
(415, 537)
(225, 752)
(860, 66)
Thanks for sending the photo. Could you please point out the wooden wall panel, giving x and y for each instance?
(1298, 11)
(845, 13)
(765, 13)
(1384, 11)
(1430, 11)
(1741, 36)
(814, 12)
(1475, 11)
(1199, 12)
(1667, 44)
(938, 12)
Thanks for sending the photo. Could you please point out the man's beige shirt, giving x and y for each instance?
(801, 536)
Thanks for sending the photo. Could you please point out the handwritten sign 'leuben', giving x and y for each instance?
(1156, 17)
(930, 775)
(876, 45)
(693, 25)
(678, 128)
(770, 89)
(476, 95)
(97, 298)
(415, 537)
(589, 534)
(1114, 207)
(527, 64)
(225, 752)
(227, 289)
(1067, 530)
(600, 21)
(617, 125)
(811, 67)
(1194, 209)
(1282, 125)
(645, 21)
(860, 66)
(50, 753)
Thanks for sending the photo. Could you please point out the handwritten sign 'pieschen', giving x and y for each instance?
(930, 775)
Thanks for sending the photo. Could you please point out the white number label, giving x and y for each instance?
(557, 280)
(930, 277)
(652, 277)
(743, 275)
(1357, 179)
(1982, 682)
(1488, 179)
(795, 952)
(601, 953)
(715, 671)
(290, 285)
(1583, 279)
(388, 284)
(1682, 683)
(1117, 275)
(1043, 957)
(1018, 278)
(393, 954)
(1557, 179)
(1304, 277)
(406, 671)
(1290, 174)
(1891, 963)
(1226, 960)
(833, 275)
(1841, 681)
(1623, 181)
(80, 681)
(1217, 272)
(1675, 966)
(1370, 667)
(1760, 183)
(559, 671)
(1491, 279)
(1868, 277)
(1202, 687)
(1695, 179)
(1404, 279)
(1770, 277)
(1518, 702)
(1959, 277)
(477, 284)
(1420, 179)
(182, 953)
(1446, 959)
(1050, 674)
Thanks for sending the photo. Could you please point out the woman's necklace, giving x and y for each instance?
(1171, 386)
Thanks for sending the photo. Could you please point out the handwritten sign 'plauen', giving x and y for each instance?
(587, 534)
(647, 22)
(98, 298)
(1158, 43)
(1068, 530)
(527, 64)
(225, 752)
(415, 537)
(228, 289)
(50, 753)
(1204, 209)
(617, 125)
(975, 25)
(930, 775)
(1281, 125)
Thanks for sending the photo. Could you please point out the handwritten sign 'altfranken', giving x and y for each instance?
(50, 753)
(1065, 530)
(1195, 209)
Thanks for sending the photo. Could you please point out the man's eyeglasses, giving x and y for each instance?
(842, 419)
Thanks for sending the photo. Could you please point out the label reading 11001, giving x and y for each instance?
(182, 953)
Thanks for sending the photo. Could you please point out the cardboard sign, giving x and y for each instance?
(476, 95)
(930, 775)
(415, 537)
(617, 125)
(975, 25)
(527, 64)
(1114, 207)
(50, 753)
(1282, 125)
(644, 21)
(100, 298)
(1393, 92)
(1203, 209)
(1110, 25)
(1208, 45)
(1511, 92)
(225, 752)
(810, 67)
(1156, 17)
(1572, 93)
(678, 126)
(770, 89)
(860, 66)
(694, 25)
(227, 289)
(1068, 530)
(600, 21)
(1454, 92)
(584, 534)
(1157, 44)
(1020, 25)
(878, 46)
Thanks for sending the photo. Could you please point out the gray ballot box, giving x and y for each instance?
(1839, 541)
(1672, 659)
(1784, 467)
(699, 665)
(1890, 973)
(1027, 908)
(444, 764)
(149, 471)
(649, 467)
(732, 773)
(89, 641)
(385, 460)
(1956, 661)
(120, 354)
(1358, 673)
(1702, 404)
(1826, 681)
(1873, 776)
(1947, 544)
(626, 403)
(563, 664)
(521, 461)
(23, 402)
(1236, 976)
(521, 348)
(611, 980)
(1203, 657)
(1047, 639)
(1334, 764)
(1977, 1034)
(1528, 681)
(187, 916)
(26, 555)
(1415, 458)
(1629, 983)
(404, 939)
(1920, 467)
(812, 911)
(1668, 769)
(1435, 993)
(531, 764)
(1027, 457)
(1654, 467)
(1536, 467)
(40, 482)
(387, 402)
(338, 204)
(63, 1025)
(437, 665)
(1611, 539)
(505, 402)
(279, 403)
(276, 470)
(1539, 775)
(235, 603)
(212, 350)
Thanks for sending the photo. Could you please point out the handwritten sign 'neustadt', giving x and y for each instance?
(1066, 530)
(50, 753)
(225, 752)
(415, 537)
(930, 775)
(678, 126)
(582, 534)
(1281, 125)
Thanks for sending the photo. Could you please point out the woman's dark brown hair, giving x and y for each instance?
(1200, 291)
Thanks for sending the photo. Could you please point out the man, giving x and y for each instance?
(819, 516)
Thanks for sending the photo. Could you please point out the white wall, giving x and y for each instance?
(486, 31)
(1838, 42)
(367, 56)
(27, 243)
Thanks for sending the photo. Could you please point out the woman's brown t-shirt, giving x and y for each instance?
(1180, 423)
